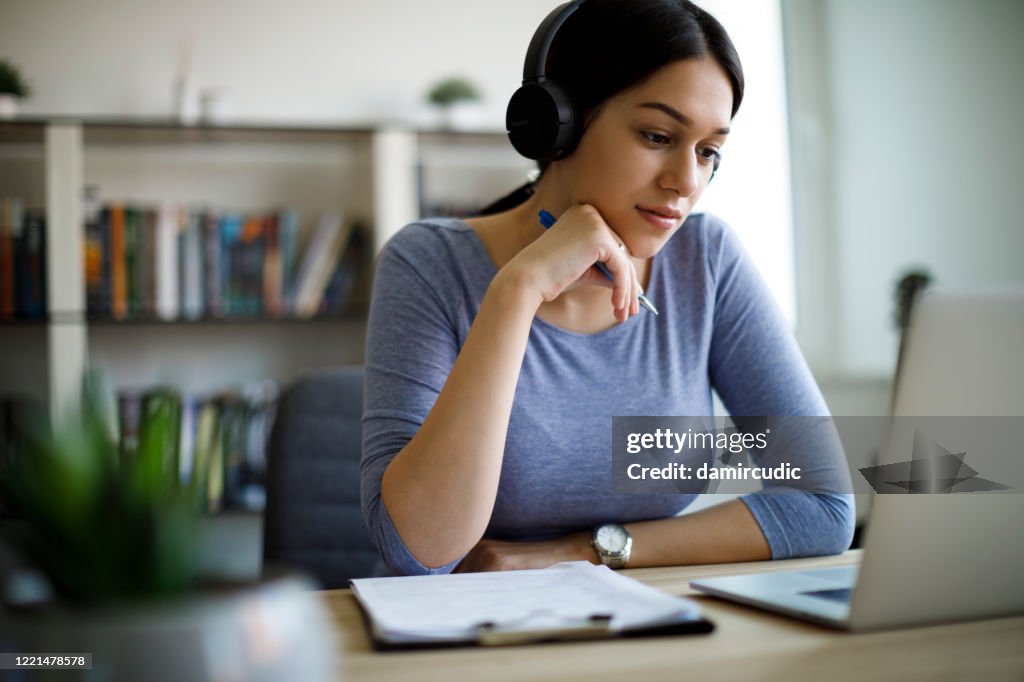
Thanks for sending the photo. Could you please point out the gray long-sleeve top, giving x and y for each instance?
(719, 328)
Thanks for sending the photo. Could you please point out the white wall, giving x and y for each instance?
(909, 153)
(296, 60)
(752, 189)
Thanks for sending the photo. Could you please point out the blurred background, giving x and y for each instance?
(877, 139)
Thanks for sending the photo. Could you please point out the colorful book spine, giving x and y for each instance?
(131, 260)
(167, 271)
(129, 414)
(191, 255)
(148, 220)
(232, 419)
(318, 264)
(273, 301)
(118, 271)
(339, 287)
(186, 452)
(288, 235)
(212, 279)
(105, 296)
(31, 287)
(92, 256)
(156, 467)
(251, 267)
(209, 456)
(10, 237)
(232, 263)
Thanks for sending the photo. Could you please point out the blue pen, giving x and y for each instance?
(547, 220)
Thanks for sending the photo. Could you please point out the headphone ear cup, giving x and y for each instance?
(542, 122)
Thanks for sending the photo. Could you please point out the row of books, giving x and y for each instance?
(218, 442)
(22, 261)
(222, 443)
(179, 262)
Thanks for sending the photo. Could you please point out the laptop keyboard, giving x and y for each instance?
(841, 594)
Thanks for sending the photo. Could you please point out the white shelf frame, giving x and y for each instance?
(65, 282)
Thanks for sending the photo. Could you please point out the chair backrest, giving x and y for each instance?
(313, 518)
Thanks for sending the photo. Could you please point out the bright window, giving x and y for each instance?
(751, 192)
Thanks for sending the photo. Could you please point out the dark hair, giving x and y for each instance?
(608, 46)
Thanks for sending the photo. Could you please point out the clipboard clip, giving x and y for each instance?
(542, 626)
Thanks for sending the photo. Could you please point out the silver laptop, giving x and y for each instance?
(927, 558)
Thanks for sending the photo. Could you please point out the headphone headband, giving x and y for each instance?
(537, 54)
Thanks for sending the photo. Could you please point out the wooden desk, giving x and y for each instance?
(748, 644)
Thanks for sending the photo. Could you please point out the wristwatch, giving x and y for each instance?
(613, 544)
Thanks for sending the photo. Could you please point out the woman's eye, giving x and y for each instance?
(710, 155)
(656, 138)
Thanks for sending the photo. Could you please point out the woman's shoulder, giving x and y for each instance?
(430, 235)
(431, 243)
(703, 235)
(443, 255)
(704, 227)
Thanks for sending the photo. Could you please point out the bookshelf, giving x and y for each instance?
(386, 176)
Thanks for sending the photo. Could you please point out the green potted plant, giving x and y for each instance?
(12, 88)
(110, 545)
(459, 101)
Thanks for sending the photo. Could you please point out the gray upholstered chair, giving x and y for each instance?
(313, 519)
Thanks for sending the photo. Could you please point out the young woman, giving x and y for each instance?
(497, 353)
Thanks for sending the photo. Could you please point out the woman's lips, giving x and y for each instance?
(658, 219)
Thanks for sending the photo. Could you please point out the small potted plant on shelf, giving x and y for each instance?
(108, 549)
(12, 88)
(459, 100)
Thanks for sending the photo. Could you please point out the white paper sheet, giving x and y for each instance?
(455, 606)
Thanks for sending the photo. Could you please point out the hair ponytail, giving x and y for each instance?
(517, 196)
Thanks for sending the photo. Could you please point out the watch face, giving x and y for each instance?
(611, 538)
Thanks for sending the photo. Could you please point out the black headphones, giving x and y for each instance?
(541, 120)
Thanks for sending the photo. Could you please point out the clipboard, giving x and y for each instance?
(496, 638)
(539, 623)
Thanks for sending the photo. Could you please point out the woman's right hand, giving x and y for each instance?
(451, 467)
(563, 257)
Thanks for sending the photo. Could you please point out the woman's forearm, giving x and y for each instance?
(723, 533)
(440, 488)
